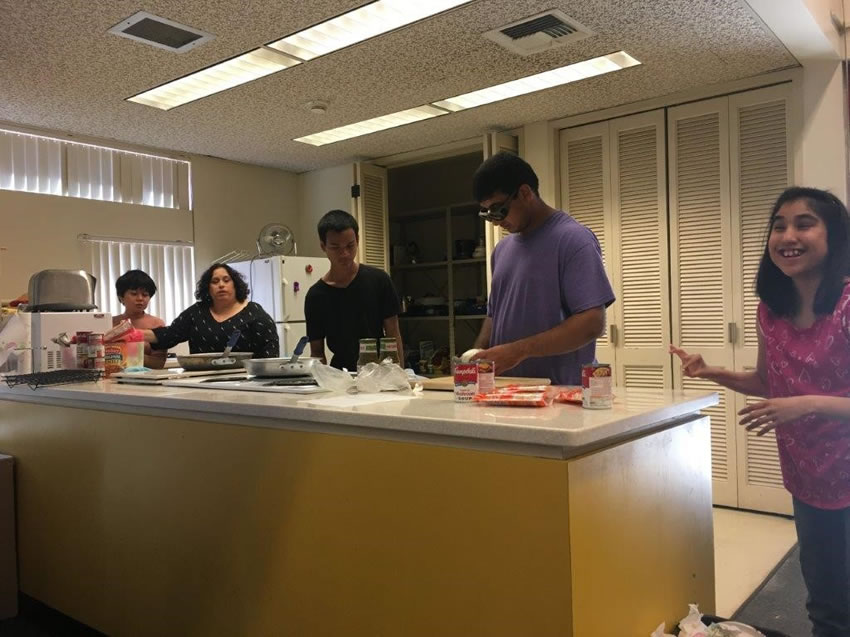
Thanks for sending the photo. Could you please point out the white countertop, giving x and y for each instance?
(433, 417)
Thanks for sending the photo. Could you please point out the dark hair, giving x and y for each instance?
(338, 221)
(503, 172)
(134, 280)
(202, 291)
(776, 289)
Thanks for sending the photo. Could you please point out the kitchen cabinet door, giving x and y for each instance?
(640, 261)
(586, 195)
(701, 266)
(762, 167)
(371, 210)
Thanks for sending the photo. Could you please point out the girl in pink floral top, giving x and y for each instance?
(803, 371)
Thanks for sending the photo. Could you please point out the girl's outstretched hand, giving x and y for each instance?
(767, 414)
(693, 365)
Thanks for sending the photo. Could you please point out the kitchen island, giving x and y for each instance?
(173, 511)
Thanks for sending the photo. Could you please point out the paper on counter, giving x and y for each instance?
(357, 400)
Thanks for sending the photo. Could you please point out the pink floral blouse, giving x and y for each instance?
(814, 452)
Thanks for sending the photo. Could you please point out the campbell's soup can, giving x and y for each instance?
(486, 376)
(466, 381)
(596, 386)
(82, 339)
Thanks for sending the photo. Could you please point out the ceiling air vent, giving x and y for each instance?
(541, 32)
(160, 32)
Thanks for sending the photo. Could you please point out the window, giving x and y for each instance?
(170, 265)
(34, 163)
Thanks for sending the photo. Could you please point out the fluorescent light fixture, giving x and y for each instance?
(372, 125)
(214, 79)
(540, 81)
(514, 88)
(360, 24)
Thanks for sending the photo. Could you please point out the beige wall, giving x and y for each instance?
(40, 231)
(231, 203)
(318, 192)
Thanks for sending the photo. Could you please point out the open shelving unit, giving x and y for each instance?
(441, 269)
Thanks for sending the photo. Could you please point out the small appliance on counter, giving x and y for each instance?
(48, 351)
(60, 304)
(61, 291)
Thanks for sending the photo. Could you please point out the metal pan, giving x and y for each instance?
(280, 367)
(213, 360)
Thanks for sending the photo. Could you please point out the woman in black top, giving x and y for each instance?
(222, 307)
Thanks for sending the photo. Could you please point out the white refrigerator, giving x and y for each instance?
(280, 285)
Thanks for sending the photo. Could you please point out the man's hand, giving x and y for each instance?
(505, 357)
(767, 414)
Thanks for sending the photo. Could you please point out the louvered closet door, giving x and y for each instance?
(585, 193)
(761, 163)
(639, 215)
(371, 210)
(701, 264)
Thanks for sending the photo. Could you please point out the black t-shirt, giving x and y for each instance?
(342, 316)
(206, 335)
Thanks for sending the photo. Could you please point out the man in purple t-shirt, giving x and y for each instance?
(549, 291)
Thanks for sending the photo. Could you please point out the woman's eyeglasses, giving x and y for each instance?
(498, 211)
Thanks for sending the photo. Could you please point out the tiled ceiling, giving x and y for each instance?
(61, 70)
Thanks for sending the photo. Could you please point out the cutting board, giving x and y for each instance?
(157, 376)
(447, 383)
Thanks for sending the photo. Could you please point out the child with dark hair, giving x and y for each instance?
(135, 289)
(803, 372)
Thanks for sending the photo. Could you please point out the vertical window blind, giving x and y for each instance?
(33, 163)
(170, 265)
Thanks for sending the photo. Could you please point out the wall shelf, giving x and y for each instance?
(420, 266)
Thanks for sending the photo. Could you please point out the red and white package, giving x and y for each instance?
(118, 331)
(514, 396)
(569, 394)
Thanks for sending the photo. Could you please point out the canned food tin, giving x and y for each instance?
(596, 389)
(466, 381)
(82, 339)
(486, 376)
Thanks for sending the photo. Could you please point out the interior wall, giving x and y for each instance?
(821, 155)
(232, 202)
(431, 184)
(320, 191)
(39, 232)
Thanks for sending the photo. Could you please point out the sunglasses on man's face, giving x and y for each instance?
(498, 211)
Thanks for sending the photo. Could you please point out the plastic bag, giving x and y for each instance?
(371, 379)
(693, 626)
(13, 335)
(386, 376)
(331, 378)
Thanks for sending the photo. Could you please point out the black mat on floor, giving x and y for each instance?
(780, 602)
(37, 620)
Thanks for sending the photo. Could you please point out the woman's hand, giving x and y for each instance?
(693, 365)
(768, 414)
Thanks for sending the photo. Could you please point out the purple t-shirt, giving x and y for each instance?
(539, 280)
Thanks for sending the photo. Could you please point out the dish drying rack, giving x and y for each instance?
(55, 377)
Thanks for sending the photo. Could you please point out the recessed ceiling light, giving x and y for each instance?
(514, 88)
(360, 24)
(540, 81)
(372, 125)
(213, 79)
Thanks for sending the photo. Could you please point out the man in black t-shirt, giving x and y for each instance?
(352, 301)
